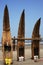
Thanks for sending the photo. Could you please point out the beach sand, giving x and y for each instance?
(28, 60)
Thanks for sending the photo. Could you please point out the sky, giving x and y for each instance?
(33, 11)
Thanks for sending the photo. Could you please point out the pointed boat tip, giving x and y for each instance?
(6, 7)
(23, 10)
(39, 19)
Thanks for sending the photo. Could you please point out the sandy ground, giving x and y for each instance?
(28, 60)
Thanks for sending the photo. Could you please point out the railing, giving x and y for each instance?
(40, 39)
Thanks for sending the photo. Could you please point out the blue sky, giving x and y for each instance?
(33, 11)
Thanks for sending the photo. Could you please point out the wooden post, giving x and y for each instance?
(21, 34)
(35, 43)
(7, 47)
(14, 44)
